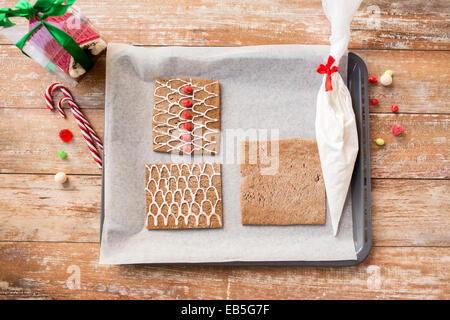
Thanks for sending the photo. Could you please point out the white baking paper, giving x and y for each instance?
(269, 91)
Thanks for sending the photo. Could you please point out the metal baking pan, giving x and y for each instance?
(360, 185)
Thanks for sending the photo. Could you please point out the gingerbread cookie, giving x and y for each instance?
(183, 196)
(186, 116)
(282, 184)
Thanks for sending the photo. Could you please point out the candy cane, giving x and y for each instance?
(79, 116)
(89, 134)
(49, 100)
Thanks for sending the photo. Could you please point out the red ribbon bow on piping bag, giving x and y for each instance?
(326, 69)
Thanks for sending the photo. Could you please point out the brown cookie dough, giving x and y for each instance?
(286, 191)
(183, 196)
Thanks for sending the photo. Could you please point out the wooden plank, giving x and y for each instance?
(411, 212)
(34, 208)
(52, 270)
(31, 135)
(421, 80)
(377, 24)
(383, 24)
(30, 142)
(23, 82)
(421, 84)
(420, 152)
(388, 273)
(67, 270)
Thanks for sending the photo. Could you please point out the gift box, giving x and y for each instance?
(57, 36)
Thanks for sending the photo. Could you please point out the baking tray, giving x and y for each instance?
(360, 185)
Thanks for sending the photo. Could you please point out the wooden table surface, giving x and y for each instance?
(49, 234)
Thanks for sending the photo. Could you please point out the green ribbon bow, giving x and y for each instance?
(43, 9)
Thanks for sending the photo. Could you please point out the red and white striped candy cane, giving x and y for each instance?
(80, 117)
(88, 132)
(49, 100)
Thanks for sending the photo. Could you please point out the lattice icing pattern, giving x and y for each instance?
(183, 196)
(186, 116)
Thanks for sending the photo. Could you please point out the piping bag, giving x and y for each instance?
(336, 133)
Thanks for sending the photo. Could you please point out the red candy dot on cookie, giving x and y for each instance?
(187, 89)
(394, 108)
(187, 126)
(186, 137)
(65, 135)
(397, 129)
(186, 115)
(187, 103)
(186, 148)
(373, 79)
(373, 102)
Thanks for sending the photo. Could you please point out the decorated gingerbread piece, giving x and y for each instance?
(291, 192)
(83, 35)
(186, 116)
(183, 196)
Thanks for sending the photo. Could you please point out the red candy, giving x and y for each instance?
(373, 102)
(373, 79)
(394, 108)
(187, 103)
(186, 148)
(187, 126)
(186, 115)
(186, 137)
(187, 89)
(397, 129)
(65, 135)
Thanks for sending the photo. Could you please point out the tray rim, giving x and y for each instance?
(356, 66)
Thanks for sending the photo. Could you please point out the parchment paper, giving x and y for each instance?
(263, 87)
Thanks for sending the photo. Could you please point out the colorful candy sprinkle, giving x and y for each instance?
(373, 79)
(62, 154)
(394, 108)
(386, 79)
(65, 135)
(186, 115)
(187, 89)
(379, 142)
(397, 129)
(60, 177)
(373, 102)
(187, 103)
(186, 148)
(389, 72)
(186, 137)
(187, 126)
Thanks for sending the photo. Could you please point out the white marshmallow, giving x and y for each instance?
(386, 79)
(60, 177)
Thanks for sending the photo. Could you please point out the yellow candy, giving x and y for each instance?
(379, 142)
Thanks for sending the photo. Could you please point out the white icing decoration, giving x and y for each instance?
(175, 131)
(175, 208)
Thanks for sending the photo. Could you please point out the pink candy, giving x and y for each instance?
(397, 129)
(186, 148)
(186, 137)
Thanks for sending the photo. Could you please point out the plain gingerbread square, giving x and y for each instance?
(168, 116)
(292, 194)
(183, 195)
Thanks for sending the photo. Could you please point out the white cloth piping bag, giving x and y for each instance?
(336, 133)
